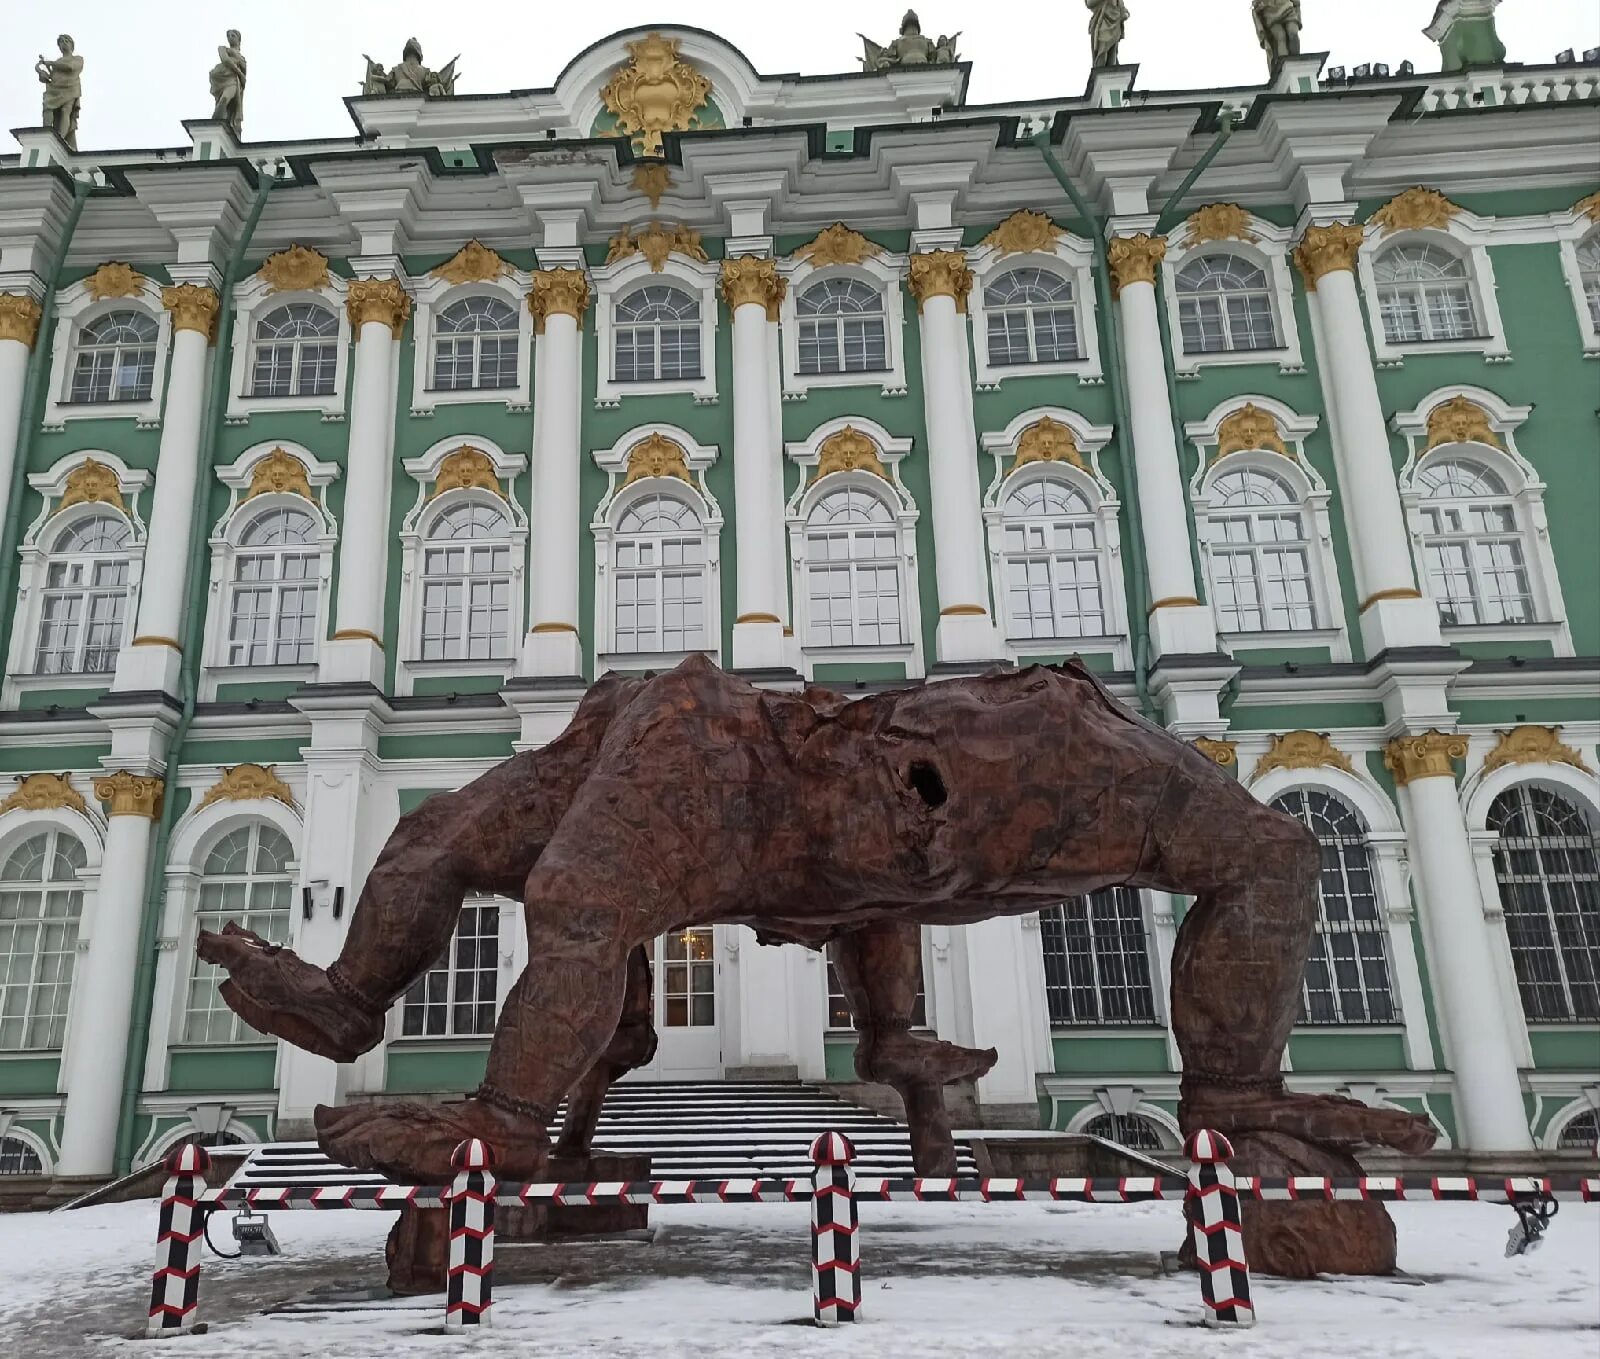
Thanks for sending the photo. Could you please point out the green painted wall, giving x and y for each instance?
(1104, 1055)
(222, 1069)
(432, 1071)
(30, 1075)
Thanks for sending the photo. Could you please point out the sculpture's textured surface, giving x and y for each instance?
(694, 798)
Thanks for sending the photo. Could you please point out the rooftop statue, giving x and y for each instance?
(1277, 27)
(910, 48)
(227, 85)
(1107, 20)
(411, 76)
(694, 798)
(63, 90)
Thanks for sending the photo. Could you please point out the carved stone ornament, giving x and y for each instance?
(279, 473)
(558, 292)
(114, 280)
(44, 792)
(752, 279)
(247, 783)
(656, 92)
(192, 308)
(652, 179)
(465, 469)
(1224, 753)
(378, 299)
(473, 263)
(1415, 210)
(1531, 745)
(656, 456)
(297, 269)
(130, 794)
(1424, 757)
(1302, 750)
(1220, 222)
(19, 318)
(849, 450)
(1249, 427)
(91, 481)
(940, 273)
(1588, 207)
(655, 243)
(837, 244)
(1324, 249)
(1025, 232)
(1047, 440)
(1134, 259)
(1460, 420)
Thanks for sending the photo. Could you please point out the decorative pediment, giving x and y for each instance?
(1219, 222)
(656, 456)
(473, 263)
(657, 91)
(297, 269)
(114, 280)
(44, 792)
(1532, 745)
(1460, 420)
(1302, 750)
(246, 783)
(849, 450)
(655, 243)
(837, 244)
(1047, 440)
(1415, 210)
(465, 469)
(92, 481)
(1024, 232)
(1249, 427)
(279, 473)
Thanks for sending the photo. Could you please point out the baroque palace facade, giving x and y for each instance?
(331, 474)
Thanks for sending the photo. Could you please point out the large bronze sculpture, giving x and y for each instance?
(693, 797)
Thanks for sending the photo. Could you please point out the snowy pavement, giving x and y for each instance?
(939, 1281)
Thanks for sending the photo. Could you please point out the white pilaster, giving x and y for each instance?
(1005, 986)
(19, 328)
(766, 1003)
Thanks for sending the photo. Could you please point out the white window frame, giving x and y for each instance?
(1270, 252)
(253, 298)
(892, 491)
(882, 272)
(508, 930)
(224, 550)
(431, 296)
(613, 282)
(34, 562)
(1073, 260)
(616, 502)
(428, 505)
(1101, 495)
(1467, 237)
(10, 845)
(1159, 1003)
(1572, 230)
(75, 308)
(1526, 492)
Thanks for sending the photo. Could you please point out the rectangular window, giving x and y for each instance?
(261, 906)
(458, 997)
(1097, 960)
(38, 947)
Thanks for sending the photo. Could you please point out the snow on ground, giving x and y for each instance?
(940, 1281)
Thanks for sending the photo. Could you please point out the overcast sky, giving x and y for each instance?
(145, 63)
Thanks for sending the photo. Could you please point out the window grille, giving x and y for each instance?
(466, 585)
(41, 903)
(1224, 305)
(1472, 546)
(657, 335)
(475, 346)
(1050, 561)
(660, 577)
(116, 358)
(1131, 1130)
(18, 1158)
(841, 327)
(1097, 960)
(458, 997)
(1580, 1133)
(1031, 318)
(852, 571)
(296, 351)
(85, 598)
(272, 612)
(1424, 293)
(1260, 555)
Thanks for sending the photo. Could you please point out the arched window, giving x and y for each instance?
(466, 585)
(458, 996)
(475, 345)
(1581, 1133)
(657, 335)
(272, 611)
(1347, 974)
(1224, 304)
(40, 904)
(1097, 960)
(18, 1158)
(1260, 555)
(116, 358)
(841, 327)
(1472, 546)
(296, 349)
(852, 571)
(85, 598)
(1424, 294)
(1547, 862)
(1129, 1130)
(248, 878)
(1589, 275)
(660, 576)
(1051, 559)
(1031, 318)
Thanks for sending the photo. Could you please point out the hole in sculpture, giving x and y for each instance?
(925, 779)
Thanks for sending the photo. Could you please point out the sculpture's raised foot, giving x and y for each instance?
(1321, 1120)
(411, 1143)
(276, 991)
(918, 1068)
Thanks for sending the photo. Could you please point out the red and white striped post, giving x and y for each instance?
(1212, 1207)
(835, 1241)
(469, 1284)
(175, 1290)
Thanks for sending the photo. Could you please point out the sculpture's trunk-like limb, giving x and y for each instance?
(633, 1044)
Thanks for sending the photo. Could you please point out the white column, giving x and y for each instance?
(766, 1006)
(554, 646)
(102, 982)
(1393, 611)
(940, 281)
(153, 659)
(1461, 965)
(378, 309)
(1179, 623)
(753, 291)
(1002, 957)
(19, 327)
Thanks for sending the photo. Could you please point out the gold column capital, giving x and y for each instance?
(193, 307)
(558, 292)
(130, 794)
(1427, 756)
(940, 273)
(1133, 259)
(378, 299)
(1224, 753)
(1324, 249)
(749, 278)
(19, 318)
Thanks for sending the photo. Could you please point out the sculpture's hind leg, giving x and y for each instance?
(633, 1044)
(879, 968)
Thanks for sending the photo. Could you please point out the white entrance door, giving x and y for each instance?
(687, 1006)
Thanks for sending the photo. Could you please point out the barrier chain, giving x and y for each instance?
(835, 1234)
(1212, 1207)
(469, 1285)
(175, 1290)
